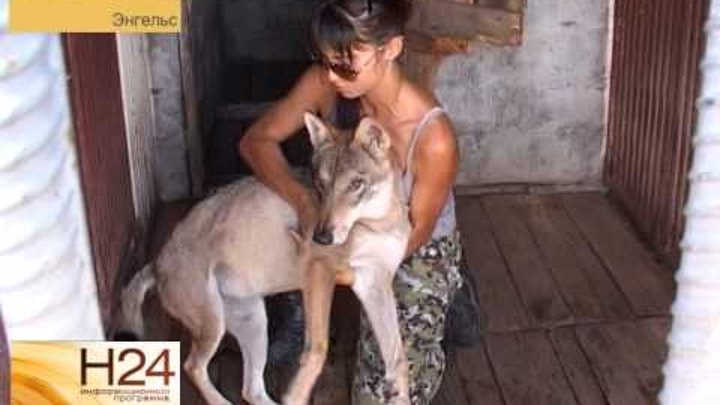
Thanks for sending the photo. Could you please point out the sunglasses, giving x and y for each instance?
(345, 70)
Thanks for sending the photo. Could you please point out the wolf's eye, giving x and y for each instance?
(356, 184)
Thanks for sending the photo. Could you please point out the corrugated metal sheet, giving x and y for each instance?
(96, 96)
(653, 85)
(47, 284)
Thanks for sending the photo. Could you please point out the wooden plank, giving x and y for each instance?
(624, 361)
(587, 287)
(496, 292)
(657, 331)
(577, 368)
(191, 102)
(647, 286)
(442, 18)
(477, 376)
(451, 390)
(99, 134)
(527, 370)
(425, 43)
(510, 5)
(541, 296)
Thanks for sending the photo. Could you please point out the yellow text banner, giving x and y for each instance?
(95, 16)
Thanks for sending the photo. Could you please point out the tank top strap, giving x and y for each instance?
(418, 131)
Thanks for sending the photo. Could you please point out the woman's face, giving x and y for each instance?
(355, 79)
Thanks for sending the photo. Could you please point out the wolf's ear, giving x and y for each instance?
(319, 132)
(372, 136)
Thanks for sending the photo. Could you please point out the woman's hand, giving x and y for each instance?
(307, 212)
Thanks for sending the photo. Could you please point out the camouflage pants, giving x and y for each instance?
(424, 286)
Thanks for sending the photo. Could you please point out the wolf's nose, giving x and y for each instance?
(322, 236)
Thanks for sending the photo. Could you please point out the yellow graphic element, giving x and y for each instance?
(95, 16)
(49, 373)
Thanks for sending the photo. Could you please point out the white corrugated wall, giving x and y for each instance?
(47, 282)
(692, 372)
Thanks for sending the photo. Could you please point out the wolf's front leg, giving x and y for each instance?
(374, 290)
(318, 288)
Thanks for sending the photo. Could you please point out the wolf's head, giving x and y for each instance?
(354, 174)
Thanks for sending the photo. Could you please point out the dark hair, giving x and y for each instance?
(340, 25)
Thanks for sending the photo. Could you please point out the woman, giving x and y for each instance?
(358, 43)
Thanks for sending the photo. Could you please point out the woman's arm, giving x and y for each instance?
(260, 145)
(435, 163)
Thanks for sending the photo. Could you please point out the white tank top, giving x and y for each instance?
(446, 222)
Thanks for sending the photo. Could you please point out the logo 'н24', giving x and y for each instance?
(133, 357)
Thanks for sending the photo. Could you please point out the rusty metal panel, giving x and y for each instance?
(653, 85)
(96, 98)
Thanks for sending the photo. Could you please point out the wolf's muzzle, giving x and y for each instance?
(323, 236)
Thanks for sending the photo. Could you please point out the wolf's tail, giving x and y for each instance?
(131, 319)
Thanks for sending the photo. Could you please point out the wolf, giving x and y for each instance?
(237, 246)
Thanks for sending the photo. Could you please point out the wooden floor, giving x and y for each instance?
(575, 307)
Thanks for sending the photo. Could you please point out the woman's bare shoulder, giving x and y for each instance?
(313, 88)
(438, 133)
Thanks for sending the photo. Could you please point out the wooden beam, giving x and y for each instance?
(101, 141)
(444, 27)
(191, 104)
(448, 19)
(420, 41)
(509, 5)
